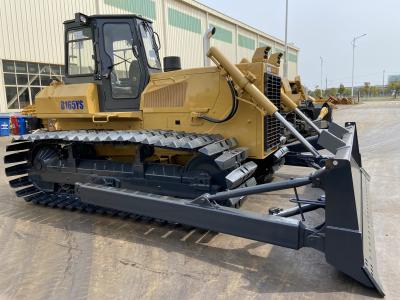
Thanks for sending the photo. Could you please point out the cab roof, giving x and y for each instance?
(108, 16)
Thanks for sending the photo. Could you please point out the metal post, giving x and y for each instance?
(326, 83)
(352, 70)
(285, 63)
(383, 84)
(322, 63)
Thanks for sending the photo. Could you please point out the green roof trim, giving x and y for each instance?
(246, 42)
(181, 20)
(146, 8)
(222, 34)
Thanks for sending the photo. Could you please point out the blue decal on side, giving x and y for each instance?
(71, 105)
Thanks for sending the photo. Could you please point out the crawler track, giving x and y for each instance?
(223, 151)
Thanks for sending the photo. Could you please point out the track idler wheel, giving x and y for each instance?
(42, 157)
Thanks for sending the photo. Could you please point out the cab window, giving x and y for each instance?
(80, 52)
(125, 69)
(150, 47)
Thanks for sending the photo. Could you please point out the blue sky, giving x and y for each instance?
(325, 28)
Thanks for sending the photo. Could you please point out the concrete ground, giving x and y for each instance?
(55, 254)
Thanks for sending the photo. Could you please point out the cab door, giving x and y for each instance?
(123, 72)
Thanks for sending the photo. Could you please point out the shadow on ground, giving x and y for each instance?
(281, 270)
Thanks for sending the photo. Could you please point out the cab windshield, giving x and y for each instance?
(150, 45)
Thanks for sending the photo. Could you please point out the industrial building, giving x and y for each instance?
(32, 39)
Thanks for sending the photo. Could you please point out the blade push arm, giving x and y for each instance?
(287, 102)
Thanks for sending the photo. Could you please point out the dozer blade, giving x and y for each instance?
(349, 241)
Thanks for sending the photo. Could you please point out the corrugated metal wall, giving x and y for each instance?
(225, 37)
(184, 31)
(151, 9)
(247, 44)
(32, 30)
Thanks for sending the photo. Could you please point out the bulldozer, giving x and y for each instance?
(123, 136)
(320, 112)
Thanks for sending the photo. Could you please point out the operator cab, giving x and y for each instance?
(116, 52)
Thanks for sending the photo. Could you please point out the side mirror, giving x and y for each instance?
(158, 43)
(81, 19)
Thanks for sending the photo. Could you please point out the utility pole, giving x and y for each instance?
(352, 72)
(285, 63)
(326, 83)
(383, 84)
(322, 64)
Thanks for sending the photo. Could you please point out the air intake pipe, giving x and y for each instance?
(206, 43)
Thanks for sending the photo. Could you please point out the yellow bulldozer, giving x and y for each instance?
(321, 113)
(125, 137)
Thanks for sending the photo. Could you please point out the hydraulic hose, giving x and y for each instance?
(235, 104)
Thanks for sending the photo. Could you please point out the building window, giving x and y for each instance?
(222, 34)
(264, 44)
(23, 80)
(183, 21)
(246, 42)
(146, 8)
(292, 57)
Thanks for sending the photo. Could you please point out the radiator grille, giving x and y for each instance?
(169, 96)
(272, 127)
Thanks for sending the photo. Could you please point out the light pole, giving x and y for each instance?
(285, 62)
(383, 84)
(322, 64)
(352, 72)
(326, 83)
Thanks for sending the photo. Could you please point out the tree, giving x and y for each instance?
(347, 91)
(331, 92)
(394, 87)
(366, 89)
(317, 93)
(374, 91)
(341, 89)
